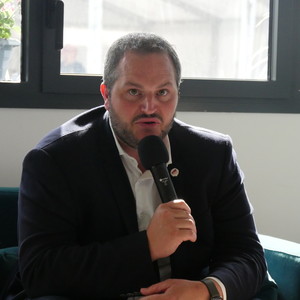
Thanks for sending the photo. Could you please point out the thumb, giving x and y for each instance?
(156, 288)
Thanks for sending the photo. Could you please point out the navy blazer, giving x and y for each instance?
(78, 227)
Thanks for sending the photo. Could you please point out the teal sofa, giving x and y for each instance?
(283, 257)
(8, 234)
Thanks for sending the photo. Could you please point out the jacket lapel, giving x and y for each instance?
(118, 179)
(176, 168)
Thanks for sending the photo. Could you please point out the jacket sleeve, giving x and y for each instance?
(53, 259)
(238, 258)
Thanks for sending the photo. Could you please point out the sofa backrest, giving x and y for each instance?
(8, 217)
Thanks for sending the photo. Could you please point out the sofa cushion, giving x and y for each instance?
(8, 261)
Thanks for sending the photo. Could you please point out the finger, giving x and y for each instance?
(184, 215)
(151, 290)
(187, 235)
(156, 288)
(179, 204)
(184, 223)
(181, 213)
(154, 297)
(168, 212)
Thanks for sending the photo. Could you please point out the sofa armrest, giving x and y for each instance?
(283, 259)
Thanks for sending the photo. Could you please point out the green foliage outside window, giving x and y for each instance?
(8, 11)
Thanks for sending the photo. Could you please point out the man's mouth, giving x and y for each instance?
(146, 121)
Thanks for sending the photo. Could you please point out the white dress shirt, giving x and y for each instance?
(147, 200)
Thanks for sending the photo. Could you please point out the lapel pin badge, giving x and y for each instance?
(174, 172)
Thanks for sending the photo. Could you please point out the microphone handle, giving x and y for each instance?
(163, 182)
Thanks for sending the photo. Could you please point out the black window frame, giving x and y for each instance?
(42, 86)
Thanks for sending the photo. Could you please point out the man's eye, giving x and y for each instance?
(162, 93)
(133, 92)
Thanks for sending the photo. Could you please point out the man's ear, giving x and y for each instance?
(105, 95)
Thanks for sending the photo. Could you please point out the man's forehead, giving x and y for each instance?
(134, 64)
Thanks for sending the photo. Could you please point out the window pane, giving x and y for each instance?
(216, 39)
(10, 40)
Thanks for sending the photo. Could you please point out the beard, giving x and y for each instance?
(126, 135)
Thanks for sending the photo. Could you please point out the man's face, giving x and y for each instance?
(143, 99)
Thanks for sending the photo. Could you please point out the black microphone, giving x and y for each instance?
(154, 156)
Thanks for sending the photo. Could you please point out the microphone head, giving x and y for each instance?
(152, 151)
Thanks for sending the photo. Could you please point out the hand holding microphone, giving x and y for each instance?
(172, 222)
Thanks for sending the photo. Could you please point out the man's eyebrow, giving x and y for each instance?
(129, 83)
(165, 84)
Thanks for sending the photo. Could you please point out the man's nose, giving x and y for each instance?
(149, 104)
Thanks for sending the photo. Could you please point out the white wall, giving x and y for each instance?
(267, 146)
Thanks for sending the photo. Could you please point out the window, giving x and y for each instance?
(243, 58)
(214, 39)
(10, 40)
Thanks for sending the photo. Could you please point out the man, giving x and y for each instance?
(91, 222)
